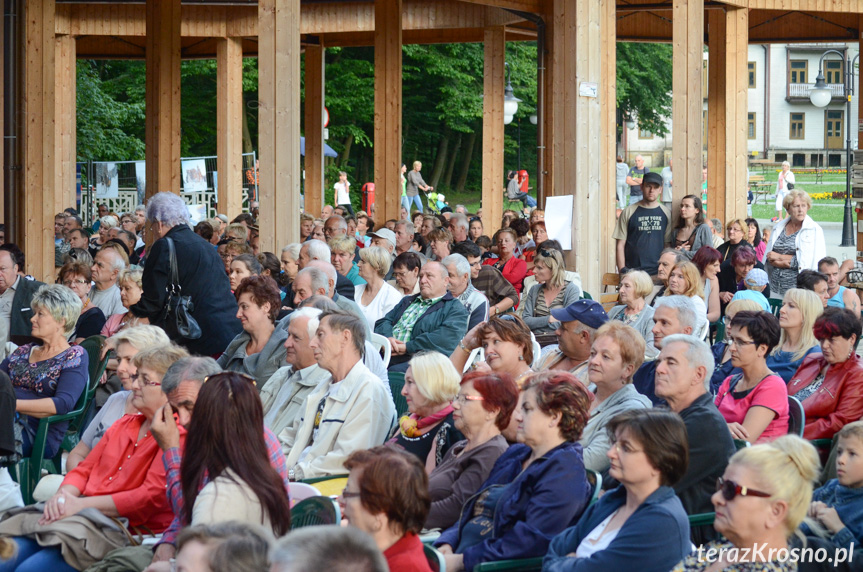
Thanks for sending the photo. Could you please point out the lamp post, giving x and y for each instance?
(510, 102)
(820, 95)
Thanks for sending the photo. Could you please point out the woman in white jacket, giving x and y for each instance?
(784, 185)
(797, 243)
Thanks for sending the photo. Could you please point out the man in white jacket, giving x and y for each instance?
(348, 411)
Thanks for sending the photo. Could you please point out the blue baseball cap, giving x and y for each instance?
(588, 312)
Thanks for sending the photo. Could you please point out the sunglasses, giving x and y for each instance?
(474, 219)
(730, 489)
(546, 253)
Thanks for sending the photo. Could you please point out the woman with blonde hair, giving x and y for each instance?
(633, 311)
(307, 225)
(342, 250)
(685, 280)
(431, 383)
(736, 230)
(131, 287)
(800, 309)
(376, 297)
(552, 292)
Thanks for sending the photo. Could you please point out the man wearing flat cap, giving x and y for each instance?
(576, 329)
(643, 229)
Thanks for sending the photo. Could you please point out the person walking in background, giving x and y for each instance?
(666, 186)
(634, 179)
(621, 172)
(343, 197)
(783, 186)
(414, 185)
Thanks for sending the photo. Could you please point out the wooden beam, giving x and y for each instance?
(3, 130)
(492, 125)
(162, 123)
(688, 32)
(608, 137)
(314, 132)
(66, 124)
(859, 125)
(35, 232)
(533, 6)
(229, 126)
(728, 85)
(279, 121)
(388, 108)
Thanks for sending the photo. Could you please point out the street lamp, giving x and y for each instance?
(820, 96)
(510, 102)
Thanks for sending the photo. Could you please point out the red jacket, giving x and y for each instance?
(837, 402)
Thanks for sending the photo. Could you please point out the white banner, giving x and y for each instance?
(558, 220)
(194, 176)
(107, 181)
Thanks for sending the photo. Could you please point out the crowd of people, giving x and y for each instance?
(536, 422)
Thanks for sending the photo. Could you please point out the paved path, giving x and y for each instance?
(832, 236)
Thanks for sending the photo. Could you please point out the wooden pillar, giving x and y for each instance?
(493, 174)
(35, 233)
(859, 135)
(162, 123)
(66, 124)
(727, 85)
(314, 111)
(688, 47)
(388, 108)
(279, 122)
(229, 125)
(3, 130)
(580, 126)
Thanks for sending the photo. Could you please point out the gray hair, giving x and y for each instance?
(317, 277)
(331, 548)
(328, 269)
(717, 223)
(132, 274)
(319, 302)
(698, 354)
(409, 226)
(462, 266)
(61, 303)
(117, 262)
(141, 209)
(685, 307)
(188, 369)
(338, 223)
(313, 314)
(458, 219)
(141, 337)
(293, 250)
(340, 321)
(318, 250)
(168, 209)
(108, 221)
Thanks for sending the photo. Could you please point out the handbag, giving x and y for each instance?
(177, 317)
(789, 186)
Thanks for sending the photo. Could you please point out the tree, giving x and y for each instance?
(644, 84)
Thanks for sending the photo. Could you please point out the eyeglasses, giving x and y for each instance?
(477, 264)
(135, 377)
(474, 219)
(730, 489)
(346, 494)
(68, 283)
(461, 398)
(739, 343)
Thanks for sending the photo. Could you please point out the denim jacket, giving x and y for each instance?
(849, 506)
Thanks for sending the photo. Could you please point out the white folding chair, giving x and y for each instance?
(381, 343)
(537, 351)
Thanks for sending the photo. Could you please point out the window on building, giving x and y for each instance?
(751, 76)
(798, 160)
(644, 134)
(798, 71)
(780, 157)
(834, 70)
(751, 126)
(798, 126)
(704, 82)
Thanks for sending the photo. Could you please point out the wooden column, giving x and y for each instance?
(66, 124)
(388, 108)
(688, 46)
(579, 128)
(493, 174)
(3, 131)
(859, 133)
(314, 132)
(162, 124)
(279, 122)
(35, 231)
(728, 84)
(229, 124)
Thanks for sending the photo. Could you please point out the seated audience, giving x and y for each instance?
(722, 349)
(474, 301)
(76, 277)
(685, 280)
(428, 431)
(387, 497)
(343, 302)
(259, 350)
(131, 289)
(406, 273)
(800, 309)
(754, 285)
(707, 259)
(440, 241)
(222, 547)
(667, 260)
(481, 410)
(107, 264)
(487, 279)
(348, 411)
(552, 292)
(633, 310)
(506, 343)
(342, 250)
(331, 548)
(576, 331)
(816, 282)
(734, 270)
(376, 297)
(840, 296)
(760, 501)
(737, 230)
(755, 239)
(513, 268)
(648, 454)
(830, 384)
(691, 232)
(536, 489)
(617, 352)
(288, 262)
(754, 402)
(242, 267)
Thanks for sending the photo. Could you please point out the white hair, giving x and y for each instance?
(293, 250)
(685, 307)
(168, 209)
(460, 220)
(318, 250)
(327, 269)
(317, 277)
(313, 314)
(698, 354)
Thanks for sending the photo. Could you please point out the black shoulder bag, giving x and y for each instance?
(177, 318)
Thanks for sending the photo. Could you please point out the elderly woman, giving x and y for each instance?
(127, 343)
(200, 276)
(736, 230)
(342, 256)
(387, 496)
(50, 376)
(99, 482)
(633, 311)
(440, 241)
(375, 298)
(481, 410)
(129, 281)
(754, 402)
(289, 257)
(536, 488)
(318, 231)
(475, 229)
(242, 267)
(513, 269)
(260, 349)
(507, 345)
(691, 232)
(708, 260)
(428, 431)
(784, 185)
(616, 354)
(722, 349)
(230, 249)
(797, 243)
(76, 276)
(649, 455)
(307, 225)
(800, 308)
(685, 280)
(552, 292)
(106, 223)
(830, 384)
(760, 501)
(406, 272)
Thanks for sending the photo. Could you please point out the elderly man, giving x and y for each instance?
(348, 411)
(458, 226)
(181, 384)
(673, 315)
(16, 292)
(460, 287)
(318, 250)
(405, 238)
(386, 239)
(487, 279)
(326, 212)
(141, 219)
(105, 293)
(576, 330)
(342, 302)
(310, 282)
(335, 226)
(683, 371)
(433, 320)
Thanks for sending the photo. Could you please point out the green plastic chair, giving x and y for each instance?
(397, 381)
(585, 295)
(719, 328)
(740, 444)
(314, 511)
(523, 565)
(775, 305)
(435, 558)
(703, 519)
(595, 480)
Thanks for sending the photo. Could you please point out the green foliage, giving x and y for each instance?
(644, 84)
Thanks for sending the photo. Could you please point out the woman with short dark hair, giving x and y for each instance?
(507, 344)
(406, 272)
(76, 276)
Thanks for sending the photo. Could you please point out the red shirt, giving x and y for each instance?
(514, 271)
(407, 555)
(130, 471)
